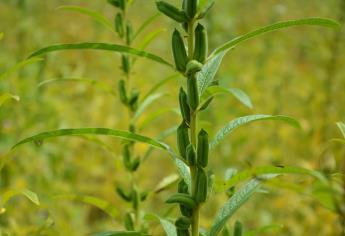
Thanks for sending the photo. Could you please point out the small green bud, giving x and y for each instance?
(135, 199)
(135, 164)
(126, 157)
(128, 222)
(201, 44)
(182, 139)
(122, 91)
(203, 148)
(193, 67)
(171, 11)
(144, 195)
(192, 92)
(182, 187)
(191, 155)
(125, 63)
(182, 198)
(191, 7)
(121, 192)
(119, 27)
(200, 193)
(118, 3)
(238, 229)
(134, 99)
(129, 34)
(183, 222)
(184, 108)
(179, 51)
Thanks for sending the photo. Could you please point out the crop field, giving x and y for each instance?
(172, 118)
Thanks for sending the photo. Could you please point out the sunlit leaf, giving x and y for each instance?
(341, 126)
(19, 66)
(9, 194)
(274, 27)
(94, 131)
(237, 93)
(257, 171)
(100, 46)
(6, 97)
(145, 24)
(233, 204)
(93, 14)
(105, 206)
(168, 227)
(238, 122)
(166, 183)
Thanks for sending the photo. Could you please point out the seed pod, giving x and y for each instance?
(129, 34)
(182, 139)
(193, 67)
(171, 11)
(122, 91)
(125, 63)
(179, 51)
(191, 8)
(125, 196)
(203, 148)
(200, 193)
(238, 229)
(192, 92)
(182, 232)
(183, 222)
(119, 25)
(191, 155)
(201, 44)
(182, 198)
(184, 108)
(182, 187)
(128, 222)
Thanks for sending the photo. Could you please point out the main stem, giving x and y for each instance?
(193, 127)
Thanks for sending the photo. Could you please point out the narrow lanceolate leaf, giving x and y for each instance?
(100, 46)
(166, 183)
(93, 14)
(19, 66)
(169, 228)
(105, 206)
(94, 131)
(145, 24)
(341, 126)
(237, 93)
(208, 72)
(184, 171)
(120, 233)
(9, 194)
(264, 170)
(238, 122)
(274, 27)
(233, 204)
(6, 97)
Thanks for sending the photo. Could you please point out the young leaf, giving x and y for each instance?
(237, 93)
(7, 195)
(19, 66)
(94, 15)
(105, 206)
(274, 27)
(208, 72)
(256, 171)
(145, 24)
(94, 131)
(120, 233)
(341, 126)
(166, 183)
(238, 122)
(233, 204)
(6, 97)
(100, 46)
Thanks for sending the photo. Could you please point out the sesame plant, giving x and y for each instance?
(193, 61)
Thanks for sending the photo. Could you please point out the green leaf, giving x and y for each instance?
(237, 93)
(9, 194)
(238, 122)
(257, 171)
(168, 227)
(6, 97)
(274, 27)
(94, 15)
(264, 229)
(159, 84)
(149, 38)
(341, 126)
(166, 183)
(184, 171)
(94, 131)
(105, 206)
(100, 46)
(19, 66)
(145, 24)
(208, 72)
(120, 233)
(234, 203)
(147, 102)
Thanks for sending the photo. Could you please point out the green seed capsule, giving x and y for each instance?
(182, 139)
(125, 64)
(201, 44)
(119, 28)
(125, 196)
(122, 91)
(203, 148)
(182, 198)
(128, 222)
(183, 222)
(182, 187)
(192, 92)
(201, 186)
(193, 67)
(191, 155)
(171, 11)
(191, 8)
(179, 51)
(238, 229)
(184, 108)
(182, 232)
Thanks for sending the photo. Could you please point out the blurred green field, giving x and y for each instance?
(298, 72)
